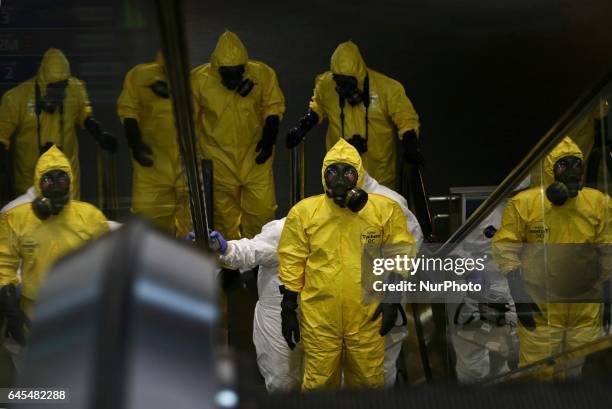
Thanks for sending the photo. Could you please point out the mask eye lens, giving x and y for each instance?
(63, 181)
(330, 175)
(46, 182)
(568, 163)
(351, 175)
(59, 180)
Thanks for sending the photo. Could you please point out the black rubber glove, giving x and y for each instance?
(265, 146)
(607, 306)
(412, 151)
(15, 318)
(106, 141)
(140, 151)
(297, 133)
(525, 307)
(359, 143)
(289, 320)
(389, 316)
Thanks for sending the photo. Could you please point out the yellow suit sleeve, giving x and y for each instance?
(84, 108)
(316, 104)
(9, 253)
(273, 100)
(293, 252)
(128, 104)
(507, 242)
(401, 110)
(9, 117)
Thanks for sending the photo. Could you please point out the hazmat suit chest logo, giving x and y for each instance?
(371, 235)
(538, 232)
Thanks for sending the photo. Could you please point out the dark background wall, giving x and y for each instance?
(487, 78)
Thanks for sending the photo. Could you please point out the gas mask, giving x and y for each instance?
(341, 182)
(568, 180)
(232, 79)
(160, 88)
(347, 89)
(54, 97)
(55, 188)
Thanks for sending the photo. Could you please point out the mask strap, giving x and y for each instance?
(37, 111)
(366, 103)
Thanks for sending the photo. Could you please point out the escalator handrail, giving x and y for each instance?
(520, 171)
(603, 343)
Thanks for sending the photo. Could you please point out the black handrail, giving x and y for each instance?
(588, 348)
(174, 46)
(520, 171)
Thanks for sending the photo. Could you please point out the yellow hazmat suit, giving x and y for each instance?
(18, 117)
(36, 244)
(229, 127)
(320, 258)
(390, 112)
(158, 192)
(531, 237)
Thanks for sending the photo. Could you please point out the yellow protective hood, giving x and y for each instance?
(344, 152)
(567, 147)
(347, 60)
(53, 67)
(230, 51)
(53, 159)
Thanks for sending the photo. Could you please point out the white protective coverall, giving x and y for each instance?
(474, 363)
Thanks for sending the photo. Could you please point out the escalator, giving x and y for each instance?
(490, 354)
(431, 353)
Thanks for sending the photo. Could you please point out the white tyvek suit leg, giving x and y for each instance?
(280, 366)
(473, 360)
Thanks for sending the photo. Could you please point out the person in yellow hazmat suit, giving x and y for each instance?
(159, 192)
(238, 105)
(43, 111)
(34, 235)
(365, 107)
(554, 248)
(320, 252)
